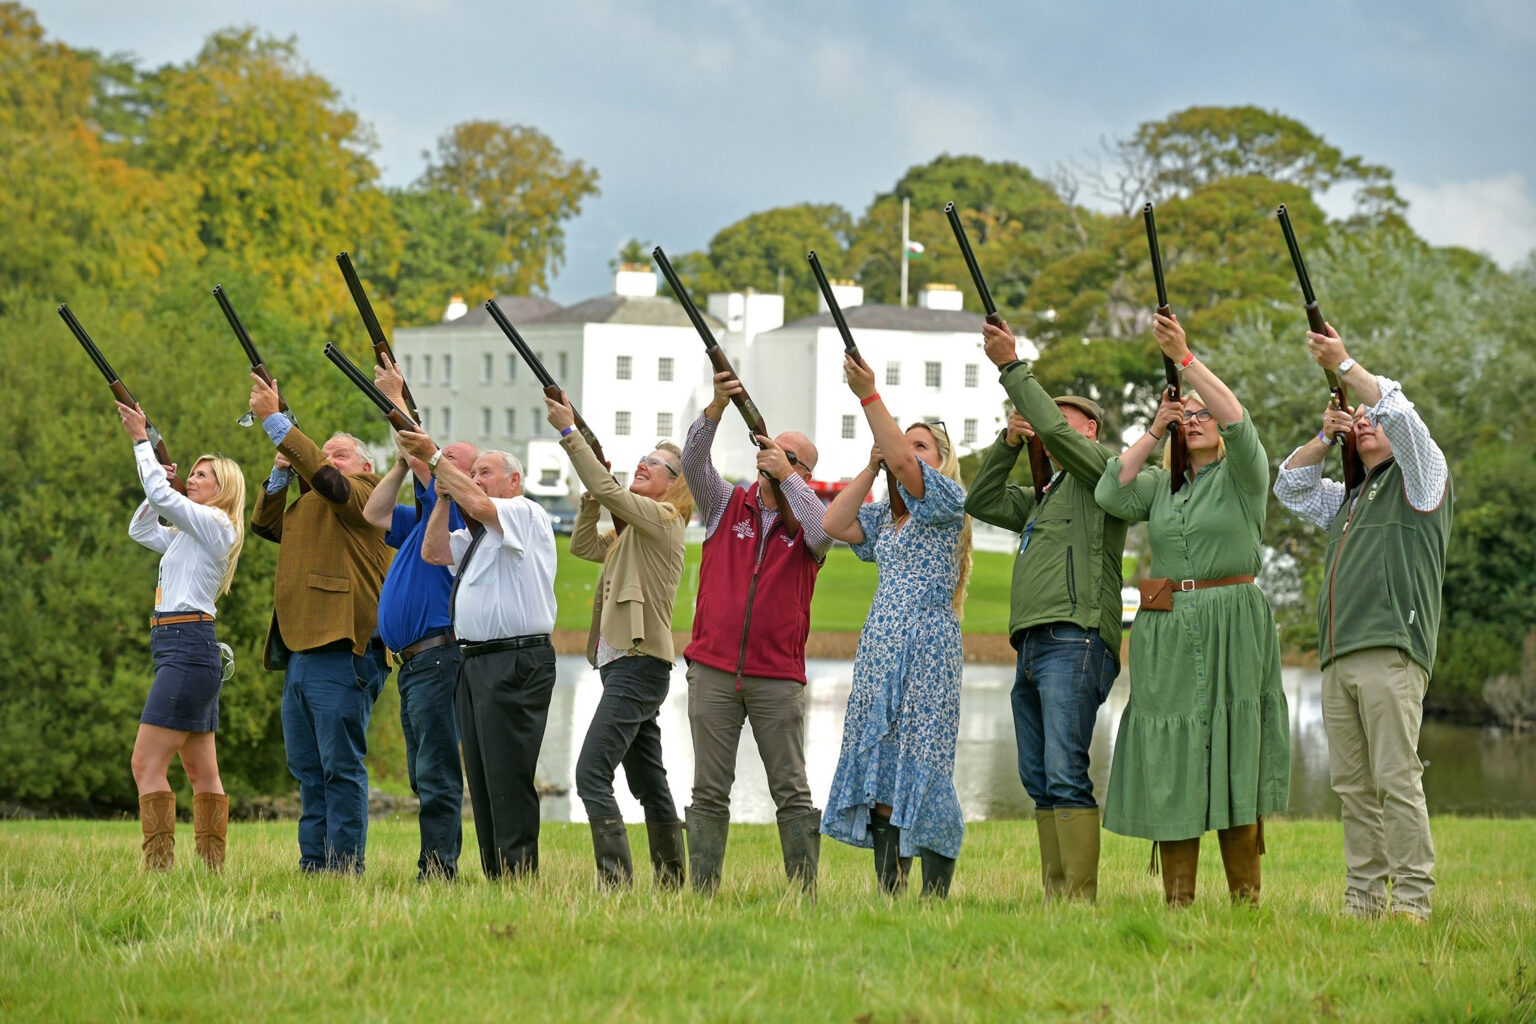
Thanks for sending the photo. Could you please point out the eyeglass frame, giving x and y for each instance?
(655, 463)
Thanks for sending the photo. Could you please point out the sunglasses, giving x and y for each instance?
(655, 463)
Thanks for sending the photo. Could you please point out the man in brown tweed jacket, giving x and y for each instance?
(330, 566)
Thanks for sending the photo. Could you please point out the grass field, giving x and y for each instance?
(85, 936)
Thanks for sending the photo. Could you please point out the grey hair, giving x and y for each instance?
(359, 446)
(509, 462)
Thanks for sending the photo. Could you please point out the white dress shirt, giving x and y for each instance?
(508, 589)
(194, 549)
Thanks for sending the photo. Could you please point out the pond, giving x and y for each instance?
(1468, 769)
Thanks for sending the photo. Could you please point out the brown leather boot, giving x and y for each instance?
(157, 817)
(1077, 831)
(1240, 856)
(1053, 877)
(210, 822)
(1180, 858)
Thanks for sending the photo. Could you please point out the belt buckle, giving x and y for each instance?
(1186, 585)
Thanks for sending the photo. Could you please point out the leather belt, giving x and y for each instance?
(442, 639)
(473, 649)
(1157, 594)
(176, 618)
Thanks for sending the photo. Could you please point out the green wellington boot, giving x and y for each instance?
(706, 849)
(800, 839)
(610, 846)
(1053, 879)
(668, 858)
(1077, 830)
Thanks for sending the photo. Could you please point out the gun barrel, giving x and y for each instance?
(832, 306)
(1157, 256)
(367, 387)
(1296, 260)
(360, 299)
(676, 284)
(241, 335)
(543, 376)
(87, 344)
(970, 259)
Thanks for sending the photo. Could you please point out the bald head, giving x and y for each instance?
(462, 454)
(797, 444)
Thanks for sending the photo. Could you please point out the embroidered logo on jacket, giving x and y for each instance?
(744, 529)
(789, 541)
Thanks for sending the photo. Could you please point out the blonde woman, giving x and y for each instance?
(198, 552)
(894, 788)
(630, 645)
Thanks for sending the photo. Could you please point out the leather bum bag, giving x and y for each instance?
(1157, 594)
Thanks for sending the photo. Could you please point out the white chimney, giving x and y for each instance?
(846, 293)
(940, 296)
(635, 280)
(456, 309)
(748, 314)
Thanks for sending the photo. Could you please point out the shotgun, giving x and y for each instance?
(742, 401)
(119, 389)
(1178, 449)
(1039, 465)
(1354, 469)
(258, 367)
(898, 504)
(381, 347)
(392, 412)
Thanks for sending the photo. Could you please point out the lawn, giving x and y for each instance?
(85, 936)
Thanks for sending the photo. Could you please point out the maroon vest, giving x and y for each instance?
(777, 592)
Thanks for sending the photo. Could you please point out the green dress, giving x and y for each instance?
(1205, 739)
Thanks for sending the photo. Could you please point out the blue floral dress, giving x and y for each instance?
(904, 709)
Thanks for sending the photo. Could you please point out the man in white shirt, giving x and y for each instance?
(503, 610)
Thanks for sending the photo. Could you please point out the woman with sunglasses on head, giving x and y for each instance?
(894, 790)
(198, 552)
(630, 645)
(1204, 741)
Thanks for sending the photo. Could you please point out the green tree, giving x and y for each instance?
(767, 251)
(521, 187)
(444, 251)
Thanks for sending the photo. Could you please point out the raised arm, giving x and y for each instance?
(1216, 395)
(586, 542)
(992, 499)
(900, 459)
(637, 511)
(380, 509)
(1133, 458)
(710, 493)
(841, 520)
(435, 548)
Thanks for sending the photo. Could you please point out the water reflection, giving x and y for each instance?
(1468, 770)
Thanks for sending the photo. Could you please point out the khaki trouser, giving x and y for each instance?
(716, 711)
(1373, 702)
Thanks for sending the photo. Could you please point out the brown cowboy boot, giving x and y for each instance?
(210, 822)
(1180, 858)
(1240, 856)
(157, 817)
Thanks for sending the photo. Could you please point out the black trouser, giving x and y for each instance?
(624, 731)
(503, 704)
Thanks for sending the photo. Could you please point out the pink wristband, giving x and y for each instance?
(1187, 360)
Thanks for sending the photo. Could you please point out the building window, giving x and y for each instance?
(447, 421)
(426, 417)
(663, 424)
(565, 365)
(621, 423)
(407, 367)
(892, 374)
(485, 421)
(485, 367)
(535, 418)
(972, 375)
(447, 369)
(512, 368)
(664, 368)
(625, 368)
(511, 422)
(850, 428)
(426, 369)
(969, 434)
(933, 375)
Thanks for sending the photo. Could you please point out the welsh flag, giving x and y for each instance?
(914, 250)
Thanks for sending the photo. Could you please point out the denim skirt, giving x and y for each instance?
(188, 676)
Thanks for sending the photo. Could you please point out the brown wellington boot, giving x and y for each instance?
(210, 822)
(157, 817)
(1053, 879)
(1240, 856)
(1180, 858)
(1077, 830)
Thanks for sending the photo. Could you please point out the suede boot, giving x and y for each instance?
(1180, 858)
(1240, 856)
(890, 867)
(938, 872)
(157, 818)
(210, 822)
(800, 839)
(669, 860)
(1053, 879)
(1077, 830)
(707, 834)
(610, 845)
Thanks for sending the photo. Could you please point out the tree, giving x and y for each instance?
(521, 187)
(767, 251)
(444, 251)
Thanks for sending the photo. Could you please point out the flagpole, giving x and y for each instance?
(906, 208)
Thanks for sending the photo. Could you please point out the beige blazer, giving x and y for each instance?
(641, 567)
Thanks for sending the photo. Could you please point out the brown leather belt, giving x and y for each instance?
(1157, 594)
(442, 639)
(175, 618)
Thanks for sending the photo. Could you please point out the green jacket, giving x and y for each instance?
(1069, 569)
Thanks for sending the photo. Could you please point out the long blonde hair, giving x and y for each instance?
(949, 465)
(229, 499)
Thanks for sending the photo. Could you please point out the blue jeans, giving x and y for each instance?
(1064, 674)
(431, 731)
(327, 699)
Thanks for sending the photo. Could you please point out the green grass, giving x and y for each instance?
(85, 936)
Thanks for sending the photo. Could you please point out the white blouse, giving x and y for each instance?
(194, 549)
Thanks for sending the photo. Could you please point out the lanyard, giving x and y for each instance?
(1050, 489)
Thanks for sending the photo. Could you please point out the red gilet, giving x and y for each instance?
(775, 594)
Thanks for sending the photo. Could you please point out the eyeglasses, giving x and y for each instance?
(1198, 415)
(655, 463)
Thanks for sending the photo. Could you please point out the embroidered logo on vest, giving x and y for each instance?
(789, 541)
(744, 529)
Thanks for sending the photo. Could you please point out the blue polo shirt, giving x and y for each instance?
(414, 600)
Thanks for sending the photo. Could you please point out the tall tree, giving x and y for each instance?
(521, 187)
(443, 250)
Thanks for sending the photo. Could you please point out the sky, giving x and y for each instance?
(696, 114)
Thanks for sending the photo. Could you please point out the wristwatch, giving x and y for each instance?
(1344, 367)
(432, 462)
